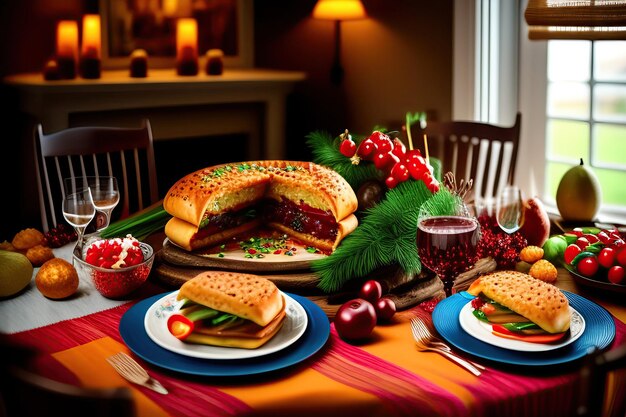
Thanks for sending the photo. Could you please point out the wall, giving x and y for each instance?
(397, 60)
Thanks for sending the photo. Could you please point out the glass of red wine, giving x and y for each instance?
(447, 245)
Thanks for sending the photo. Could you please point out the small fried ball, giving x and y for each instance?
(6, 245)
(39, 254)
(57, 278)
(544, 271)
(531, 254)
(27, 238)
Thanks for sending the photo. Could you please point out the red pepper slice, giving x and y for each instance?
(180, 326)
(502, 331)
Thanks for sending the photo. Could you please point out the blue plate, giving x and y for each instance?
(599, 332)
(134, 335)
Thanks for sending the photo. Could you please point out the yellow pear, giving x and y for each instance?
(579, 194)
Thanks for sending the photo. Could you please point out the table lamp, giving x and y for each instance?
(338, 10)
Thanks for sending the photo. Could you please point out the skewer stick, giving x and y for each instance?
(426, 148)
(408, 132)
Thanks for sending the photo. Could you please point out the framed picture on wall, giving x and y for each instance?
(151, 25)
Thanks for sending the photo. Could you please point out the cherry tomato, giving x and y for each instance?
(618, 243)
(582, 242)
(591, 238)
(355, 319)
(385, 309)
(621, 256)
(588, 266)
(371, 291)
(616, 274)
(604, 237)
(606, 257)
(570, 253)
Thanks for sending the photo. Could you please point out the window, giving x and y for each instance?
(586, 115)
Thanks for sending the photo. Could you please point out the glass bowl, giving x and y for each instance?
(116, 283)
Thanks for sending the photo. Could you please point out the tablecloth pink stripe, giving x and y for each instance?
(404, 393)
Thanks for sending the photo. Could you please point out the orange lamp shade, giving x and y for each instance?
(92, 40)
(67, 40)
(187, 39)
(339, 10)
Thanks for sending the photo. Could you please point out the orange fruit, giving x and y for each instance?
(57, 279)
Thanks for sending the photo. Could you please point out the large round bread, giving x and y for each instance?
(245, 295)
(224, 187)
(542, 303)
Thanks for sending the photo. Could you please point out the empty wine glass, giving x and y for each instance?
(510, 209)
(79, 210)
(104, 191)
(447, 245)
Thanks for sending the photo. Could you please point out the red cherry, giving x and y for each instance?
(355, 319)
(416, 170)
(371, 291)
(378, 136)
(400, 172)
(433, 186)
(385, 160)
(385, 309)
(391, 182)
(366, 149)
(399, 149)
(347, 148)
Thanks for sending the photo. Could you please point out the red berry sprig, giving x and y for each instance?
(347, 146)
(392, 157)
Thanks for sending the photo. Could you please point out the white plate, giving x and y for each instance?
(155, 323)
(482, 331)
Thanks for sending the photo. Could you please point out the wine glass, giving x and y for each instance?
(105, 193)
(510, 209)
(447, 245)
(79, 210)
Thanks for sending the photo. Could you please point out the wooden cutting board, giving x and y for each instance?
(235, 260)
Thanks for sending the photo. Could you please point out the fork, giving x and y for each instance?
(133, 372)
(423, 343)
(435, 341)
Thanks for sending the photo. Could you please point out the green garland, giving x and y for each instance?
(325, 151)
(386, 235)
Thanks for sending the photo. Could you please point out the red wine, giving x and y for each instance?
(447, 245)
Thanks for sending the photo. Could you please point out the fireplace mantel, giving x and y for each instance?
(178, 106)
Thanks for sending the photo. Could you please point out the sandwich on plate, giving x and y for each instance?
(309, 202)
(521, 307)
(228, 309)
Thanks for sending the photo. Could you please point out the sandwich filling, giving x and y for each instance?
(196, 323)
(508, 324)
(298, 217)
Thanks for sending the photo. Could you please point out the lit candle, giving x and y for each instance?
(91, 47)
(170, 8)
(139, 63)
(187, 46)
(215, 62)
(67, 48)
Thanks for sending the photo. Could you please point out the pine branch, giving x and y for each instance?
(386, 235)
(325, 152)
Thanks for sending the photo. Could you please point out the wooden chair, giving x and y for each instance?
(594, 373)
(24, 393)
(481, 151)
(126, 153)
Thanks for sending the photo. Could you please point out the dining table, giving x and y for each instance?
(319, 373)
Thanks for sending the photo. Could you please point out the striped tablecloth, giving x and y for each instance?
(385, 376)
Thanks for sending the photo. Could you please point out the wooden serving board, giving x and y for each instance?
(235, 260)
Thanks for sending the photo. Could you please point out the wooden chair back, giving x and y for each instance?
(597, 367)
(484, 152)
(125, 153)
